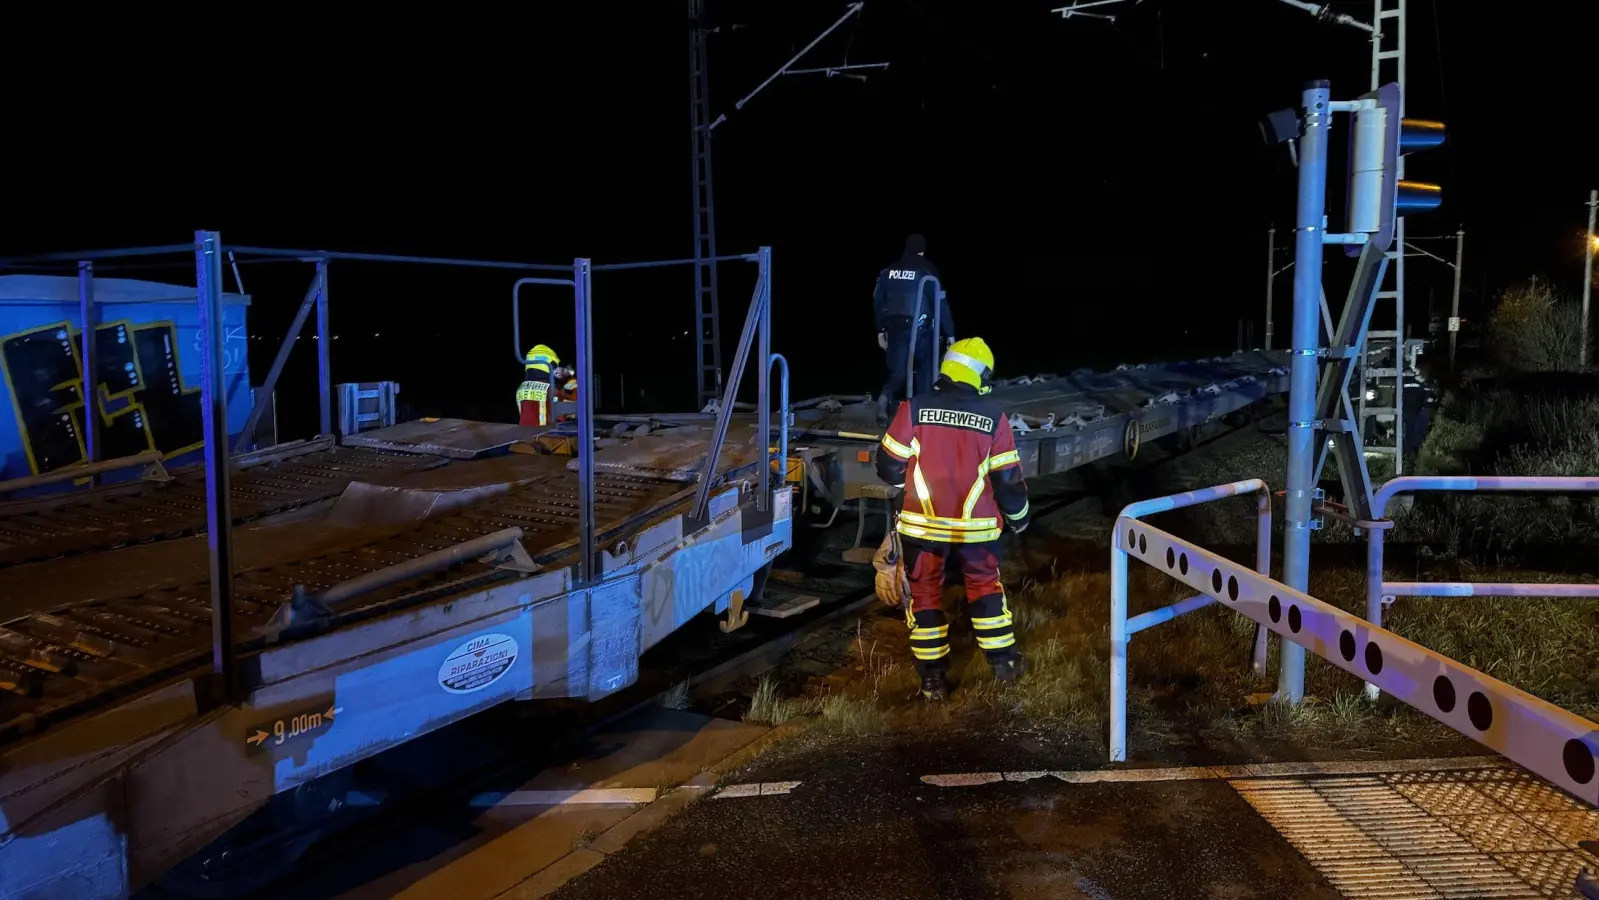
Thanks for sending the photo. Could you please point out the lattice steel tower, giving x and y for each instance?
(708, 350)
(1382, 375)
(708, 347)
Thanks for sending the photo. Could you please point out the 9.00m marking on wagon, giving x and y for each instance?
(292, 727)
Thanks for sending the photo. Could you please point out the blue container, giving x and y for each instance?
(147, 371)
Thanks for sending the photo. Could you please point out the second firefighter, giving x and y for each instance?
(544, 382)
(953, 453)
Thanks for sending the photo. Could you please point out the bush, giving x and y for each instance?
(1534, 330)
(1537, 415)
(1546, 425)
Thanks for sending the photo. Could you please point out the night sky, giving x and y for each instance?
(1093, 192)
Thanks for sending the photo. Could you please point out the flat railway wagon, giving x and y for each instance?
(183, 650)
(1062, 423)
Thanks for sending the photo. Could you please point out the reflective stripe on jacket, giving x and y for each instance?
(533, 403)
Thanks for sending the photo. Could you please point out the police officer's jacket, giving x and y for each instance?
(954, 453)
(895, 297)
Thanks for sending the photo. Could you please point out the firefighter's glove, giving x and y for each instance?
(892, 588)
(890, 582)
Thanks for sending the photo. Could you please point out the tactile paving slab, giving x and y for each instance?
(1474, 833)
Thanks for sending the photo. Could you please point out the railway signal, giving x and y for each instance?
(1378, 200)
(1381, 136)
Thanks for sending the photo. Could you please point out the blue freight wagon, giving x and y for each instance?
(146, 371)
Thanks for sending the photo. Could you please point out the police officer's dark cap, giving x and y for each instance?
(915, 244)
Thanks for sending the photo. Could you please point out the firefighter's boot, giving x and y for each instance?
(1009, 670)
(935, 687)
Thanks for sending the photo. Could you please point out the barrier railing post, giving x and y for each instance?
(218, 506)
(1374, 548)
(324, 350)
(763, 400)
(581, 286)
(89, 384)
(1118, 653)
(1263, 566)
(1121, 630)
(1377, 590)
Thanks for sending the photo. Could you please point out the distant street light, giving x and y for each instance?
(1587, 272)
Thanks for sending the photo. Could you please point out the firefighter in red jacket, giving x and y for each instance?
(953, 453)
(538, 388)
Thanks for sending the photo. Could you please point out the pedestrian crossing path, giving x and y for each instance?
(1436, 829)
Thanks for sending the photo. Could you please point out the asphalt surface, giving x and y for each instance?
(861, 824)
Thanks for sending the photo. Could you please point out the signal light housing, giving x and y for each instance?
(1376, 195)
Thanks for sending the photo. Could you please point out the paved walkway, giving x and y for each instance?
(641, 814)
(864, 824)
(861, 823)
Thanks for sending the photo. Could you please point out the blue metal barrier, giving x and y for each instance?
(1380, 592)
(1541, 737)
(757, 330)
(782, 407)
(1123, 628)
(516, 310)
(916, 318)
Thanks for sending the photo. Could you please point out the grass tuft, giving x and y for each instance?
(768, 706)
(675, 697)
(853, 714)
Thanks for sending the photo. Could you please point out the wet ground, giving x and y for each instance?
(861, 824)
(905, 816)
(668, 804)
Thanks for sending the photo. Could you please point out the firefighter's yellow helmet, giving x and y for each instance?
(541, 357)
(969, 361)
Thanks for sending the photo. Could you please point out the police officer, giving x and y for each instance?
(894, 305)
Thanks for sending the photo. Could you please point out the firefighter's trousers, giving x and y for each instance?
(925, 564)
